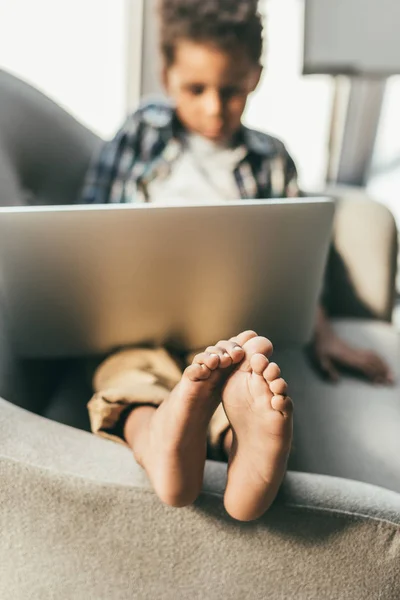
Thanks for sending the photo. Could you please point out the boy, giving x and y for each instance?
(196, 149)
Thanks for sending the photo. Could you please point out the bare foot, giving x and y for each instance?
(173, 451)
(260, 415)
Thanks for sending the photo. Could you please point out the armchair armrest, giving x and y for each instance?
(363, 265)
(79, 520)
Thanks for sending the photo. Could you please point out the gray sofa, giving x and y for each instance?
(78, 519)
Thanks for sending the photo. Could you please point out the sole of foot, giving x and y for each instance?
(176, 444)
(260, 413)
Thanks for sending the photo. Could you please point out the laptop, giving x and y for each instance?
(83, 280)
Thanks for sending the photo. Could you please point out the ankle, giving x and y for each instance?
(136, 431)
(171, 488)
(227, 442)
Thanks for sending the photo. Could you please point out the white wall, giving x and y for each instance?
(74, 51)
(388, 141)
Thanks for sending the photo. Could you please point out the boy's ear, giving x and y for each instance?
(256, 76)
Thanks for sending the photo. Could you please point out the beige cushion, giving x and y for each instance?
(363, 266)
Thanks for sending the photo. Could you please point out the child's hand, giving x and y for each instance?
(329, 353)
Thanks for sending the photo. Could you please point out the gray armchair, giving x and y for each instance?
(78, 519)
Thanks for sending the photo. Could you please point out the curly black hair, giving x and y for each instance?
(225, 23)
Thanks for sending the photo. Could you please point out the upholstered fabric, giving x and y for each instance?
(79, 520)
(350, 429)
(44, 152)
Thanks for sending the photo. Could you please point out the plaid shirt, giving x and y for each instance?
(150, 141)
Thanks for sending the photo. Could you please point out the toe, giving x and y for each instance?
(209, 359)
(259, 363)
(225, 360)
(272, 372)
(244, 337)
(197, 372)
(233, 349)
(258, 345)
(282, 404)
(278, 387)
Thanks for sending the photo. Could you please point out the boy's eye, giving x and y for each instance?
(196, 89)
(231, 91)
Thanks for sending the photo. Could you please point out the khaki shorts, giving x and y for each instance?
(142, 377)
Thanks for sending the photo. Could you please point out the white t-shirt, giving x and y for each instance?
(203, 173)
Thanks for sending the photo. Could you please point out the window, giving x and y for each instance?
(76, 52)
(384, 182)
(295, 108)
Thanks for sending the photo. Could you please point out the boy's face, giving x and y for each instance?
(210, 88)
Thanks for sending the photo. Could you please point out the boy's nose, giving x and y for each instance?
(213, 104)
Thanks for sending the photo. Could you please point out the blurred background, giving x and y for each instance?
(341, 122)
